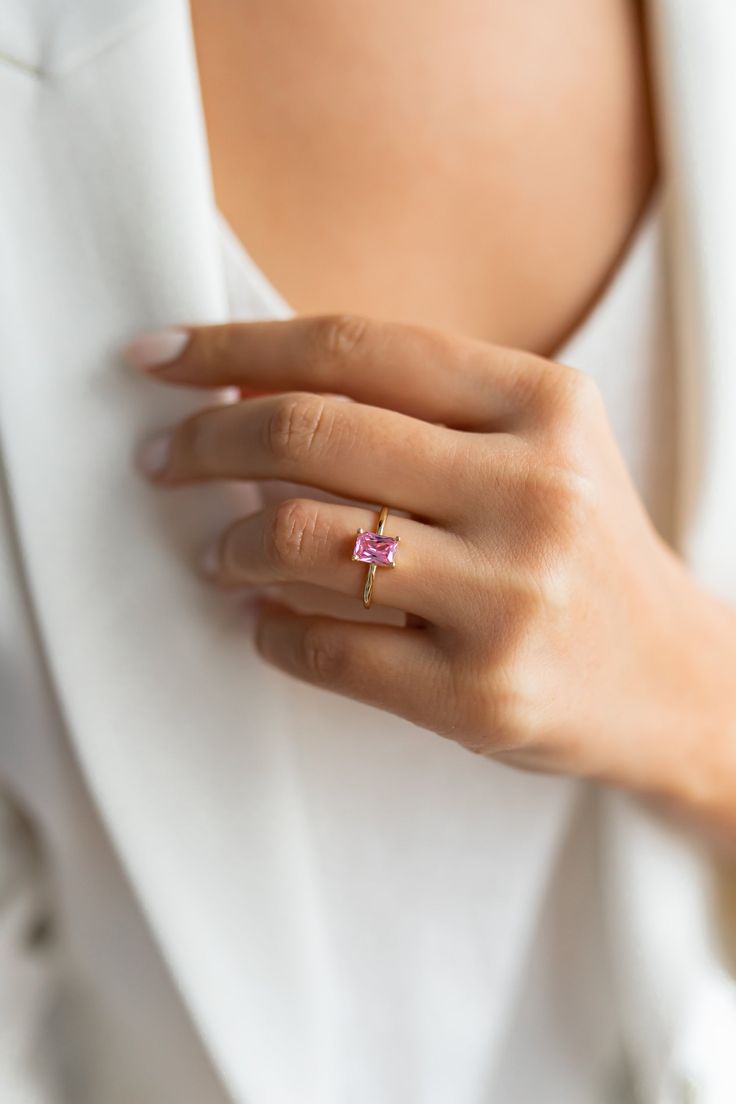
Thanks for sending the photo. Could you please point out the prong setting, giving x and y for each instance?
(377, 550)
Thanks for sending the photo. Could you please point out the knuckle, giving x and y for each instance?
(530, 379)
(496, 716)
(514, 714)
(576, 397)
(509, 723)
(558, 505)
(570, 502)
(559, 395)
(337, 336)
(523, 599)
(295, 425)
(522, 613)
(292, 522)
(322, 654)
(537, 604)
(554, 585)
(585, 390)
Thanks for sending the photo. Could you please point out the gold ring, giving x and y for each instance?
(375, 549)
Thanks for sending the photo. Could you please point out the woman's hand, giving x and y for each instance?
(551, 626)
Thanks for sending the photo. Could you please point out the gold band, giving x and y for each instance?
(377, 550)
(368, 588)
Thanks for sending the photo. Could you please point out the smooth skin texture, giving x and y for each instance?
(478, 168)
(473, 165)
(550, 625)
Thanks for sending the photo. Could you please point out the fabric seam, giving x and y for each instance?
(82, 55)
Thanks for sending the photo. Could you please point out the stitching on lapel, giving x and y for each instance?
(82, 55)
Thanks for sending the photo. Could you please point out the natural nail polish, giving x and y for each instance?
(150, 351)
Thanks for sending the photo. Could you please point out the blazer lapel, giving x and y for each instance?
(675, 991)
(106, 174)
(696, 84)
(105, 171)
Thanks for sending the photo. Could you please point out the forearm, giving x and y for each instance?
(687, 763)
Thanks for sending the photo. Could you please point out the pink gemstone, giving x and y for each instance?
(375, 548)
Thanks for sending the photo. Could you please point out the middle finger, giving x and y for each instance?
(362, 452)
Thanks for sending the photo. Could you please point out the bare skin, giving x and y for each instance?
(549, 625)
(472, 166)
(479, 168)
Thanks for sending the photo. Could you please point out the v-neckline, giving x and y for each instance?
(269, 299)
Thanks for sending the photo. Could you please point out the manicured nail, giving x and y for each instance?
(210, 561)
(153, 455)
(150, 351)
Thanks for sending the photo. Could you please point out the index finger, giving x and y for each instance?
(461, 382)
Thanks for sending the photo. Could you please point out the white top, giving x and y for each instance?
(186, 791)
(453, 906)
(462, 935)
(464, 954)
(461, 909)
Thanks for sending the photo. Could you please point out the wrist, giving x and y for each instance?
(688, 761)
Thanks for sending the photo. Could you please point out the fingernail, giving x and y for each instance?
(209, 562)
(150, 351)
(153, 455)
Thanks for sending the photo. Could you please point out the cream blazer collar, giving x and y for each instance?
(108, 229)
(695, 91)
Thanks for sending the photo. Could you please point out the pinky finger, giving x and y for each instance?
(400, 670)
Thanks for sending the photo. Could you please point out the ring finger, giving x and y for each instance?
(301, 539)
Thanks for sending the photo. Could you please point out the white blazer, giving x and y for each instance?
(106, 229)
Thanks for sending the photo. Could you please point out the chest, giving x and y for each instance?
(473, 166)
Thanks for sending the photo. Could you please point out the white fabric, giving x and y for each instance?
(511, 913)
(234, 926)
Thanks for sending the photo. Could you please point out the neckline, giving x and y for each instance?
(639, 239)
(267, 293)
